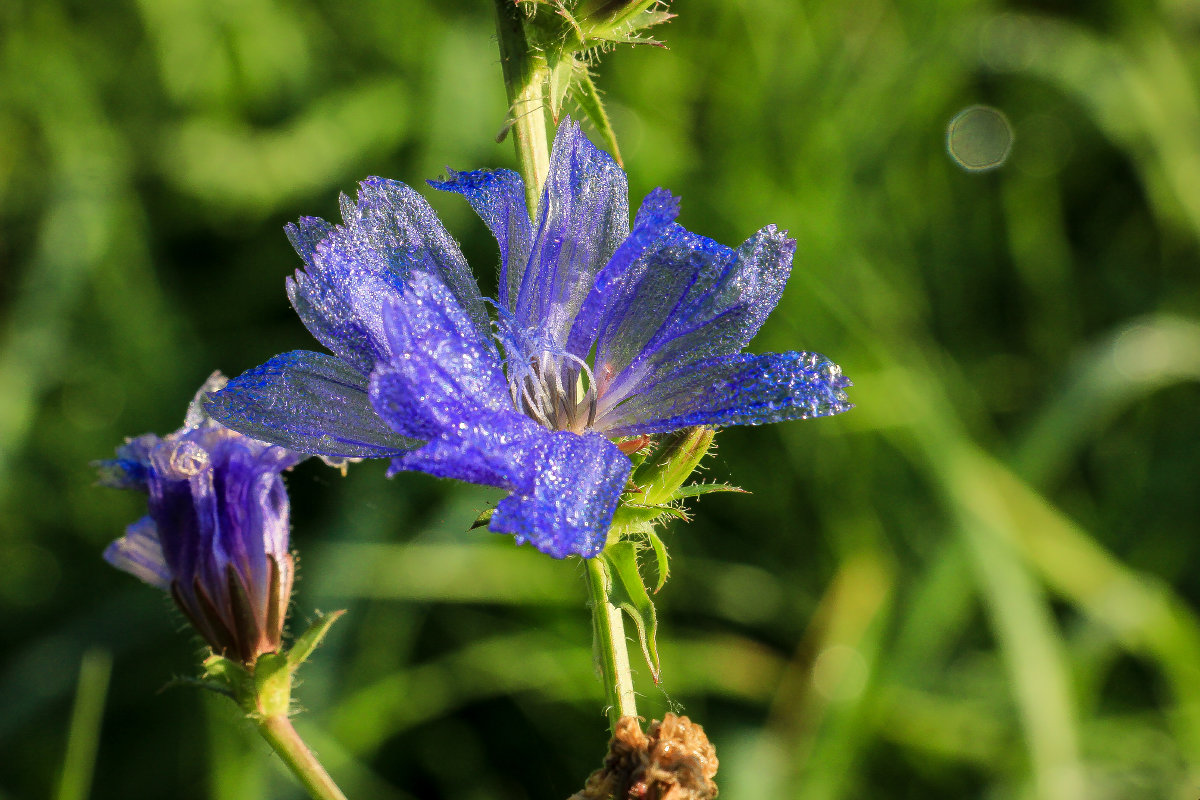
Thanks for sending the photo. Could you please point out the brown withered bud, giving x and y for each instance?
(672, 761)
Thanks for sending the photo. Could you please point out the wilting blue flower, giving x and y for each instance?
(602, 332)
(216, 535)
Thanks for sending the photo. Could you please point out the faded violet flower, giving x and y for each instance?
(216, 535)
(603, 334)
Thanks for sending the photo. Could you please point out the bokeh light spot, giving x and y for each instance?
(979, 138)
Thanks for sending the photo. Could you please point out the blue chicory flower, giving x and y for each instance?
(216, 535)
(602, 332)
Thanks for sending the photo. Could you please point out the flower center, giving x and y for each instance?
(556, 389)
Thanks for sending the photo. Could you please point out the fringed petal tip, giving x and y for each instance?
(373, 191)
(742, 389)
(305, 234)
(120, 473)
(130, 469)
(467, 182)
(498, 197)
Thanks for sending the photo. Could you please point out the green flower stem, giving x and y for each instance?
(284, 740)
(526, 76)
(526, 79)
(611, 645)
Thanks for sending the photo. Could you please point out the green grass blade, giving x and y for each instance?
(83, 736)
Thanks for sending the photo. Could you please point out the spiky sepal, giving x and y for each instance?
(264, 688)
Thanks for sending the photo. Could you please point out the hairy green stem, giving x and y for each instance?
(284, 740)
(526, 76)
(611, 645)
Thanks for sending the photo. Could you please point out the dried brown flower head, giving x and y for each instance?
(672, 761)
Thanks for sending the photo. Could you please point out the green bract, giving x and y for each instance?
(656, 496)
(264, 689)
(570, 36)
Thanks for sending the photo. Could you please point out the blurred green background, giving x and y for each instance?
(979, 583)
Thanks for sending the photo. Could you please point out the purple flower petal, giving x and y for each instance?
(741, 389)
(584, 216)
(498, 197)
(447, 387)
(128, 469)
(139, 553)
(608, 304)
(318, 295)
(577, 482)
(698, 300)
(184, 505)
(352, 270)
(254, 512)
(654, 293)
(440, 356)
(395, 222)
(309, 402)
(488, 448)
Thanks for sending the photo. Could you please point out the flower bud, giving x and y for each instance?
(216, 535)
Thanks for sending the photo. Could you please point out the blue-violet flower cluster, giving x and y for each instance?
(602, 332)
(216, 535)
